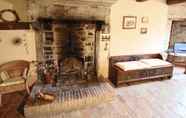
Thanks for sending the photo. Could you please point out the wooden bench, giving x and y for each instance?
(119, 76)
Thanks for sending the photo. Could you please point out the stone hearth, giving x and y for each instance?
(67, 101)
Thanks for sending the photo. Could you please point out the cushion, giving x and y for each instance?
(4, 75)
(178, 54)
(14, 81)
(15, 73)
(132, 65)
(155, 62)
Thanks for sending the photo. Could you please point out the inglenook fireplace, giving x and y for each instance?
(75, 36)
(71, 47)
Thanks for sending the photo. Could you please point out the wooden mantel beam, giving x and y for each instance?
(169, 2)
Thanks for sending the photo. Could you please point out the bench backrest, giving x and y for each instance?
(14, 68)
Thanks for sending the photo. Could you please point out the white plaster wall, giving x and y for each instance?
(4, 4)
(9, 52)
(20, 6)
(124, 42)
(130, 41)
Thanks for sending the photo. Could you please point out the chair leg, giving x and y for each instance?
(20, 108)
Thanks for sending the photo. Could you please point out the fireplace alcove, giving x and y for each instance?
(70, 48)
(79, 12)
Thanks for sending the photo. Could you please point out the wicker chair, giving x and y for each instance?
(16, 81)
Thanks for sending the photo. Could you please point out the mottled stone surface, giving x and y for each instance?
(71, 9)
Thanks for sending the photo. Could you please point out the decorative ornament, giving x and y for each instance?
(9, 15)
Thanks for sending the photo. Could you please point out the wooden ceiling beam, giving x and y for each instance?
(170, 2)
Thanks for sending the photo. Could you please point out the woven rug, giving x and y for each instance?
(72, 100)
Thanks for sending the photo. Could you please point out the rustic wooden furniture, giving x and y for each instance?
(177, 60)
(178, 54)
(15, 70)
(139, 74)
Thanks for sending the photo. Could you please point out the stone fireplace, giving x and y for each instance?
(71, 34)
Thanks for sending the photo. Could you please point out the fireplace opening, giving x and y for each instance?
(71, 64)
(73, 48)
(77, 50)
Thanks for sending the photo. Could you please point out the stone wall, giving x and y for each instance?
(63, 9)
